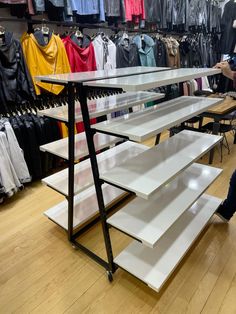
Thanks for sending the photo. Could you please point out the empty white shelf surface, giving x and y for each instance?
(148, 122)
(154, 266)
(60, 147)
(102, 106)
(85, 206)
(95, 75)
(152, 80)
(147, 221)
(83, 177)
(150, 170)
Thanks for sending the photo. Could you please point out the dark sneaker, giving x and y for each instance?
(221, 213)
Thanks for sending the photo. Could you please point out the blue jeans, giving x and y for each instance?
(229, 204)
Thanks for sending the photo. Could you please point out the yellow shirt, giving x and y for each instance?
(45, 60)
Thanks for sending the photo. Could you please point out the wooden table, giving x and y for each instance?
(217, 113)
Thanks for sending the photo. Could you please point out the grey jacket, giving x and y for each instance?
(179, 12)
(112, 7)
(197, 12)
(153, 11)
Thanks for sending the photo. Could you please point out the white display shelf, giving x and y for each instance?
(83, 177)
(102, 106)
(147, 81)
(154, 266)
(149, 171)
(85, 206)
(60, 147)
(80, 77)
(148, 122)
(147, 221)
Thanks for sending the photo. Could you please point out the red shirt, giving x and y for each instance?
(81, 60)
(134, 9)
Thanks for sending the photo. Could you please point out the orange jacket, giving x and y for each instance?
(45, 60)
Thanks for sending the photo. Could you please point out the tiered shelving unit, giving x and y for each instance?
(170, 208)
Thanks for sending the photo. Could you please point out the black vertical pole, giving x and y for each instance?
(97, 182)
(71, 144)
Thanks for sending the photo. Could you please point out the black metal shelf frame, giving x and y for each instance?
(74, 89)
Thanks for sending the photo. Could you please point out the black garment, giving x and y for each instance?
(54, 13)
(228, 38)
(15, 81)
(127, 54)
(18, 10)
(32, 152)
(32, 131)
(160, 53)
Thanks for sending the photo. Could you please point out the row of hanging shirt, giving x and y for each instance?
(44, 53)
(163, 13)
(13, 168)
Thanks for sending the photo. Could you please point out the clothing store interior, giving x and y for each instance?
(118, 154)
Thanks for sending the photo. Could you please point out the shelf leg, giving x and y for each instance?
(97, 182)
(71, 144)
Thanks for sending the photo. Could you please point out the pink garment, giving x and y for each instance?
(30, 7)
(134, 9)
(185, 89)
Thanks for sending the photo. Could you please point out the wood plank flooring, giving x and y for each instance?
(41, 273)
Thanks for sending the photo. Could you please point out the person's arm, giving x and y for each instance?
(226, 71)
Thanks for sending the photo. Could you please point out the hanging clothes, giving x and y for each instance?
(45, 59)
(127, 54)
(57, 10)
(81, 59)
(105, 53)
(16, 153)
(89, 7)
(145, 46)
(16, 85)
(160, 53)
(173, 55)
(13, 168)
(112, 8)
(9, 180)
(32, 131)
(153, 11)
(178, 15)
(228, 37)
(134, 10)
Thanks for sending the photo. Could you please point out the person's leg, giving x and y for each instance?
(228, 207)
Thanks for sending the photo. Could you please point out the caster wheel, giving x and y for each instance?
(109, 276)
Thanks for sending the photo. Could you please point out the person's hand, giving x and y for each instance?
(224, 66)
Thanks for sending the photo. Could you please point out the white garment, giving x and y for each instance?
(205, 84)
(8, 176)
(16, 155)
(105, 53)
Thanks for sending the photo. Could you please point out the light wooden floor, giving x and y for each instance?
(41, 273)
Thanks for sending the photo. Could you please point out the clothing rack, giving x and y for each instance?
(81, 26)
